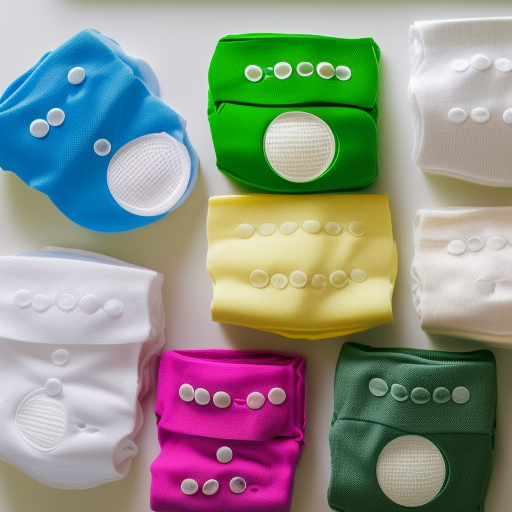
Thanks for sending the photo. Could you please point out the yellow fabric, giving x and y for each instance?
(307, 312)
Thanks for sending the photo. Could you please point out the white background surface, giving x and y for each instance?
(178, 38)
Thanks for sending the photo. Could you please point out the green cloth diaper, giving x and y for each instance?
(295, 113)
(412, 429)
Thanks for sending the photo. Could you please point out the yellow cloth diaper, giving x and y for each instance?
(302, 266)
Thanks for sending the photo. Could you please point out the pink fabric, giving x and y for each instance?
(266, 443)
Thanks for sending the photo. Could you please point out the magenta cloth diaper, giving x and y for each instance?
(231, 429)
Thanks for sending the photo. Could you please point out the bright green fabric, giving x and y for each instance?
(363, 424)
(240, 111)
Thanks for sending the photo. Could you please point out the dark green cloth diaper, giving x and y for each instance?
(295, 113)
(412, 429)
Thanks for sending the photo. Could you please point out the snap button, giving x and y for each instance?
(221, 399)
(244, 231)
(266, 229)
(279, 281)
(399, 393)
(460, 395)
(22, 298)
(420, 396)
(255, 400)
(89, 304)
(76, 76)
(253, 73)
(298, 279)
(325, 70)
(357, 228)
(210, 487)
(60, 357)
(53, 387)
(39, 128)
(456, 247)
(102, 147)
(457, 115)
(287, 228)
(282, 70)
(503, 65)
(186, 392)
(343, 73)
(338, 279)
(202, 396)
(507, 116)
(480, 115)
(480, 61)
(495, 243)
(276, 396)
(113, 308)
(66, 302)
(189, 486)
(311, 226)
(358, 275)
(237, 485)
(441, 395)
(41, 302)
(333, 228)
(319, 281)
(378, 387)
(305, 68)
(55, 117)
(259, 278)
(475, 244)
(224, 454)
(460, 64)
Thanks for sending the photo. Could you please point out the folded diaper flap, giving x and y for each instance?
(231, 429)
(85, 127)
(460, 96)
(412, 428)
(295, 113)
(302, 266)
(80, 336)
(462, 279)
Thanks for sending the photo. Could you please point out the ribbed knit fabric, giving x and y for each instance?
(411, 429)
(80, 334)
(295, 113)
(235, 458)
(302, 266)
(460, 92)
(462, 279)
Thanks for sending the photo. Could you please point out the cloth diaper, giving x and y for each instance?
(295, 113)
(80, 334)
(412, 429)
(85, 127)
(460, 92)
(462, 276)
(231, 430)
(302, 266)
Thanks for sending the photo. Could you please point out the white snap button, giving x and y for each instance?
(186, 392)
(189, 486)
(66, 302)
(399, 392)
(237, 485)
(378, 387)
(460, 395)
(311, 226)
(259, 278)
(332, 228)
(253, 73)
(76, 76)
(102, 147)
(460, 64)
(343, 73)
(266, 229)
(503, 65)
(480, 115)
(39, 128)
(89, 304)
(298, 279)
(420, 396)
(495, 243)
(325, 70)
(282, 70)
(276, 396)
(279, 281)
(22, 298)
(456, 247)
(475, 244)
(41, 302)
(457, 115)
(244, 231)
(202, 396)
(113, 308)
(224, 454)
(358, 275)
(53, 387)
(507, 116)
(480, 61)
(60, 357)
(357, 228)
(319, 281)
(338, 279)
(441, 395)
(210, 487)
(55, 117)
(287, 228)
(305, 68)
(255, 400)
(221, 399)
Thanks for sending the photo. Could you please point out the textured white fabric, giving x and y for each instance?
(72, 372)
(460, 88)
(411, 471)
(462, 272)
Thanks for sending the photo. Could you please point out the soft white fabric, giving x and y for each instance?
(460, 90)
(73, 371)
(462, 272)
